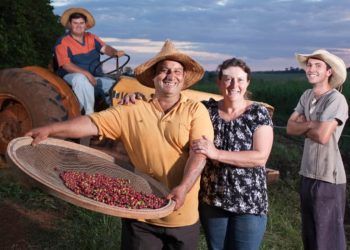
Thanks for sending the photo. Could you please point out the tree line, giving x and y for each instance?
(28, 31)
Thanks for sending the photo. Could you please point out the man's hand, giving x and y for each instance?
(72, 68)
(110, 51)
(297, 124)
(39, 134)
(119, 53)
(91, 78)
(178, 194)
(300, 118)
(131, 98)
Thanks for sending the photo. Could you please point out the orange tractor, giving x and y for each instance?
(34, 96)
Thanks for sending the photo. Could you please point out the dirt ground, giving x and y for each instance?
(19, 226)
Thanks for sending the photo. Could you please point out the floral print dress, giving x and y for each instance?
(235, 189)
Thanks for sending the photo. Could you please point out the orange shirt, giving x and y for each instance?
(158, 144)
(86, 55)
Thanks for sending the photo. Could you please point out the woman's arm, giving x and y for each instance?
(258, 156)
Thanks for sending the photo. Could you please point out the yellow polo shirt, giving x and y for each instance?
(158, 144)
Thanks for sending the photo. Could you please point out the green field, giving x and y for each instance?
(279, 89)
(82, 229)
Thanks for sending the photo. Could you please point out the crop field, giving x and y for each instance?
(70, 227)
(279, 89)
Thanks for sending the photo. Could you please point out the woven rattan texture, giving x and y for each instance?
(47, 161)
(44, 163)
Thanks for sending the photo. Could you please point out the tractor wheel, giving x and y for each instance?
(26, 101)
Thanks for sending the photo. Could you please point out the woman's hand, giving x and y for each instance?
(205, 147)
(131, 98)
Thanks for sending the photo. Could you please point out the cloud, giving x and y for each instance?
(222, 2)
(263, 32)
(141, 50)
(61, 3)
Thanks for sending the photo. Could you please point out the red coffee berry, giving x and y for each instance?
(110, 190)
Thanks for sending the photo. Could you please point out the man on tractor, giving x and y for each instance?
(78, 57)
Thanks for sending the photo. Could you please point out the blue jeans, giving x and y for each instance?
(85, 91)
(227, 230)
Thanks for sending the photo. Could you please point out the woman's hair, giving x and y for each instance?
(234, 62)
(77, 15)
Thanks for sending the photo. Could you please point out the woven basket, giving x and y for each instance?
(45, 161)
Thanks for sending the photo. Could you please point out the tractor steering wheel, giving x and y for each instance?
(117, 72)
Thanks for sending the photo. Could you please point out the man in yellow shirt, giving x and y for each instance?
(156, 134)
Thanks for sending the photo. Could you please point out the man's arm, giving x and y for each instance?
(297, 124)
(317, 131)
(321, 132)
(258, 156)
(64, 61)
(110, 51)
(192, 171)
(72, 68)
(81, 126)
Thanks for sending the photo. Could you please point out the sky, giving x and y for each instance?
(264, 33)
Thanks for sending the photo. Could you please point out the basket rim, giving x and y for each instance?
(79, 200)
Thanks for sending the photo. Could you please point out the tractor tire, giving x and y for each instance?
(26, 101)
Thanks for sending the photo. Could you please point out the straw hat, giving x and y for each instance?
(337, 64)
(146, 72)
(90, 21)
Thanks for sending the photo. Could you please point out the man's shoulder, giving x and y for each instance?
(338, 99)
(306, 96)
(335, 94)
(192, 103)
(91, 35)
(307, 93)
(139, 105)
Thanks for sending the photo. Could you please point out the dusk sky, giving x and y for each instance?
(265, 33)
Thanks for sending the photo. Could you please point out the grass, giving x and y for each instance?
(283, 229)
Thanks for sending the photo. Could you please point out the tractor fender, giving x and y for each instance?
(27, 100)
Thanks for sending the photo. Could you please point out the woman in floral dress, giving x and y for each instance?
(233, 195)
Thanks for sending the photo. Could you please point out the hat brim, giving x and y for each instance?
(145, 72)
(339, 72)
(90, 21)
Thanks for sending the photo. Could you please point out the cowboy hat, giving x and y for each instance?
(337, 64)
(146, 72)
(90, 21)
